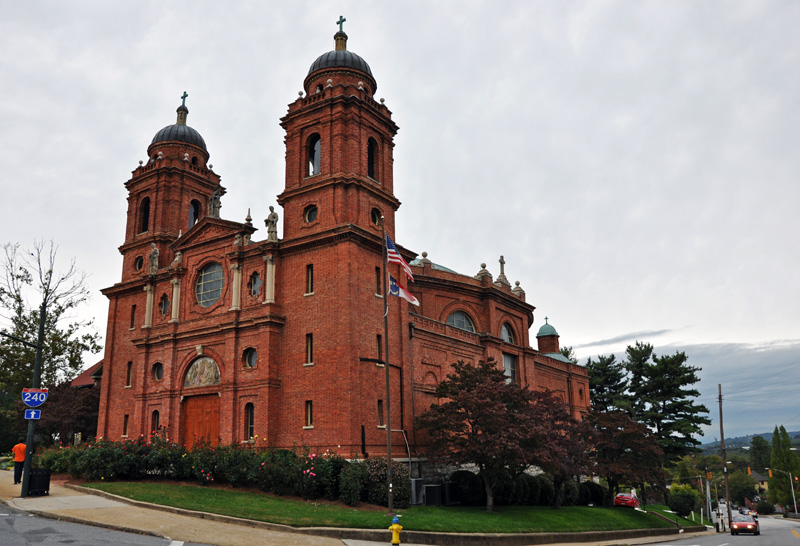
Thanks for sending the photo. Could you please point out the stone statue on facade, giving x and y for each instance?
(153, 259)
(272, 226)
(214, 204)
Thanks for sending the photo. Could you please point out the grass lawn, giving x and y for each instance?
(684, 522)
(264, 507)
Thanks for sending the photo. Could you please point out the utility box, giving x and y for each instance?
(452, 494)
(433, 495)
(416, 491)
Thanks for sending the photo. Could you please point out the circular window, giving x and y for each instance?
(310, 214)
(375, 216)
(250, 358)
(158, 371)
(461, 320)
(138, 263)
(209, 285)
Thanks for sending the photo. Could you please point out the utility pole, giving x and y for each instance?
(724, 459)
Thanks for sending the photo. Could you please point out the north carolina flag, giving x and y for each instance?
(393, 256)
(397, 289)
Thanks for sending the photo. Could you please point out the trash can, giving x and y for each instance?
(39, 482)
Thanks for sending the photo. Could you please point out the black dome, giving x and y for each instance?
(181, 133)
(340, 59)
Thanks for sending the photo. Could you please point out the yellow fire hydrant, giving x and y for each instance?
(395, 528)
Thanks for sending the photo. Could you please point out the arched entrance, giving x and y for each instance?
(200, 411)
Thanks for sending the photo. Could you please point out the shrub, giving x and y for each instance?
(547, 493)
(584, 494)
(598, 495)
(765, 507)
(351, 482)
(533, 489)
(569, 493)
(376, 489)
(280, 473)
(470, 487)
(329, 467)
(683, 500)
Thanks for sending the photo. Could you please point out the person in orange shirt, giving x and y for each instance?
(19, 459)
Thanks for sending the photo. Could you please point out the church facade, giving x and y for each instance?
(214, 335)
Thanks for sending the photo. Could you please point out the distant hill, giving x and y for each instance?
(744, 441)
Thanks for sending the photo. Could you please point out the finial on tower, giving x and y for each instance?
(340, 38)
(182, 110)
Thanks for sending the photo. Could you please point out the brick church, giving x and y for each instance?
(217, 334)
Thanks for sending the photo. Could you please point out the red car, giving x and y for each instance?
(744, 524)
(626, 499)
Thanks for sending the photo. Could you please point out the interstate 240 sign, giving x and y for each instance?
(34, 398)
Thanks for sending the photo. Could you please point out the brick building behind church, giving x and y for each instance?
(216, 333)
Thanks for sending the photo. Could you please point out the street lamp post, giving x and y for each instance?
(791, 484)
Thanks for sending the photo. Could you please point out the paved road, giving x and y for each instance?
(18, 528)
(774, 532)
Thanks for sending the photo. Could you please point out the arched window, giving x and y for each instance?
(209, 285)
(163, 305)
(314, 147)
(249, 421)
(194, 160)
(461, 320)
(375, 217)
(372, 159)
(154, 423)
(194, 212)
(255, 284)
(144, 215)
(507, 333)
(158, 371)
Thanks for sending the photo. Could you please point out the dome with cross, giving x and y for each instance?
(341, 58)
(180, 131)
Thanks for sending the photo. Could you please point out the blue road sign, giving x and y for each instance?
(33, 414)
(34, 398)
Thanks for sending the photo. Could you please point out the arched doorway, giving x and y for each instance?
(200, 411)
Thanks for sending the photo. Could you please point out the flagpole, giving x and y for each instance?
(386, 369)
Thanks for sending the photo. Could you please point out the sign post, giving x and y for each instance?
(37, 380)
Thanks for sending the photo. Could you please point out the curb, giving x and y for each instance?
(379, 535)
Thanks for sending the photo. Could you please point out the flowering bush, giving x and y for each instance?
(301, 472)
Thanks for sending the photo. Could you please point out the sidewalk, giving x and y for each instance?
(66, 503)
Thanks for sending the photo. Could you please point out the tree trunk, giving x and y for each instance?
(489, 494)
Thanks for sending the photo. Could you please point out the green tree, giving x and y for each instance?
(637, 361)
(607, 384)
(29, 279)
(760, 454)
(483, 420)
(663, 398)
(785, 460)
(569, 352)
(70, 410)
(742, 486)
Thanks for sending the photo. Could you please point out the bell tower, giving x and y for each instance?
(339, 184)
(339, 144)
(168, 195)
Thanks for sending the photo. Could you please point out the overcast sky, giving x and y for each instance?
(634, 162)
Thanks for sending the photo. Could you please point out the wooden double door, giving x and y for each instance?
(200, 419)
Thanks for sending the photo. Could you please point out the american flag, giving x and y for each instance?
(393, 256)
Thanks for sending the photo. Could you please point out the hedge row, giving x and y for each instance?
(298, 473)
(527, 490)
